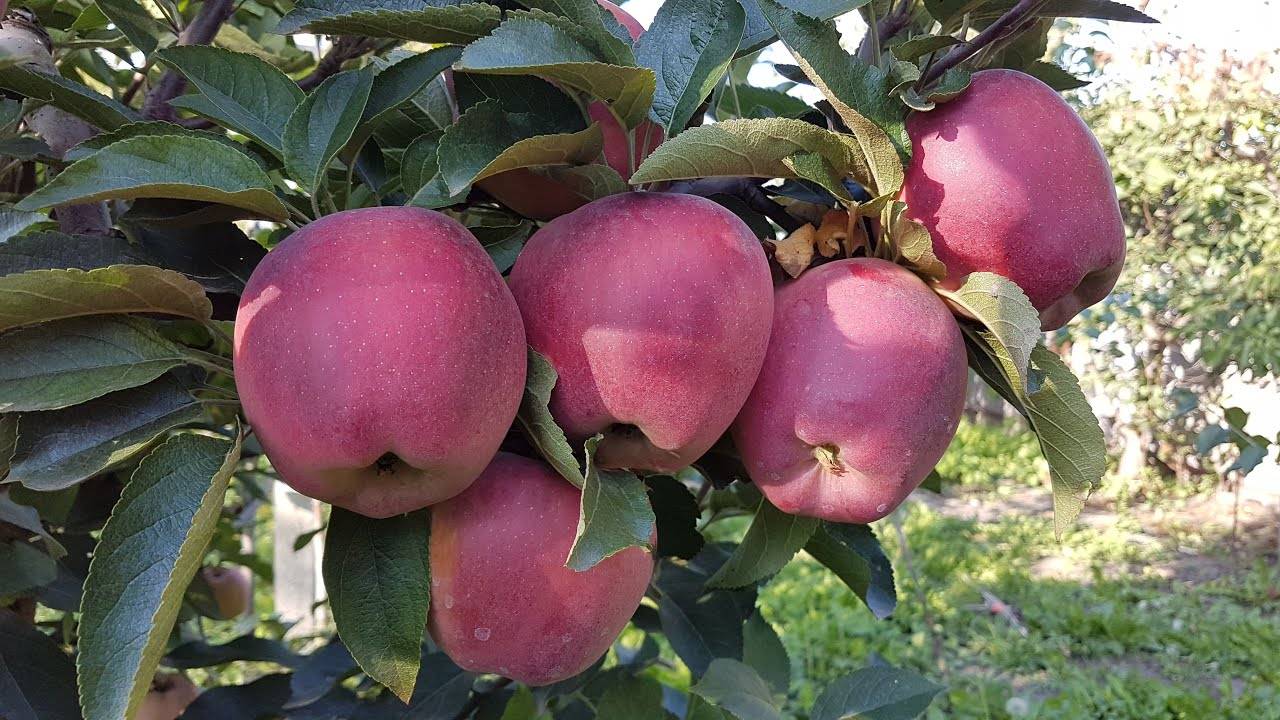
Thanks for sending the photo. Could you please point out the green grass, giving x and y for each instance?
(1116, 640)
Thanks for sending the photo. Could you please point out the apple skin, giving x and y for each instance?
(502, 600)
(375, 331)
(541, 198)
(1008, 179)
(867, 361)
(169, 696)
(654, 309)
(232, 589)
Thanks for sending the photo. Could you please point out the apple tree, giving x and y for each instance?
(535, 298)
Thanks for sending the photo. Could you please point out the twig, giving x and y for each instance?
(201, 31)
(344, 49)
(883, 30)
(964, 51)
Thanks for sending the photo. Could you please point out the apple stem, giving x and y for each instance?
(828, 457)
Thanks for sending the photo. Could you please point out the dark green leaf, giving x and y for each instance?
(238, 90)
(1096, 9)
(427, 21)
(378, 577)
(632, 698)
(763, 650)
(689, 47)
(758, 33)
(37, 679)
(28, 518)
(614, 516)
(59, 448)
(68, 362)
(737, 688)
(145, 128)
(854, 554)
(876, 693)
(1211, 437)
(400, 82)
(590, 24)
(525, 46)
(441, 691)
(772, 540)
(185, 168)
(323, 124)
(1054, 76)
(69, 95)
(922, 45)
(503, 242)
(149, 550)
(1250, 457)
(740, 100)
(702, 629)
(538, 424)
(535, 106)
(15, 222)
(319, 672)
(199, 654)
(23, 569)
(1012, 322)
(262, 698)
(38, 296)
(676, 514)
(132, 19)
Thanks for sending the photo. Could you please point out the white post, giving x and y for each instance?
(298, 582)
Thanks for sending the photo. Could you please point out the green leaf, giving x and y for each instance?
(23, 569)
(150, 128)
(614, 516)
(742, 100)
(485, 141)
(525, 46)
(1096, 9)
(132, 19)
(400, 82)
(379, 581)
(429, 21)
(756, 148)
(39, 296)
(854, 554)
(632, 698)
(763, 650)
(538, 424)
(150, 549)
(503, 242)
(1058, 412)
(815, 168)
(1054, 76)
(1250, 457)
(689, 47)
(37, 677)
(676, 516)
(15, 222)
(910, 240)
(199, 654)
(71, 361)
(772, 540)
(589, 24)
(589, 182)
(949, 86)
(28, 518)
(522, 706)
(59, 448)
(323, 124)
(8, 438)
(237, 90)
(1211, 437)
(419, 165)
(736, 687)
(184, 168)
(857, 91)
(700, 709)
(759, 33)
(69, 95)
(1012, 322)
(876, 693)
(536, 106)
(921, 45)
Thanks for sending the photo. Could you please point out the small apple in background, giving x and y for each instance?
(231, 587)
(169, 696)
(1008, 179)
(502, 600)
(654, 309)
(380, 359)
(860, 393)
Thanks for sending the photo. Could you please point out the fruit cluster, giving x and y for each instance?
(381, 360)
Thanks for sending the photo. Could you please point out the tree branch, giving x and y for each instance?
(201, 31)
(1018, 13)
(344, 48)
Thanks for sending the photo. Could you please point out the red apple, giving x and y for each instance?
(379, 358)
(232, 589)
(654, 309)
(542, 198)
(860, 393)
(502, 600)
(1008, 179)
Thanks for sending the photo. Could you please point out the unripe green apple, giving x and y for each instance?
(502, 600)
(231, 587)
(380, 359)
(1008, 179)
(654, 309)
(860, 394)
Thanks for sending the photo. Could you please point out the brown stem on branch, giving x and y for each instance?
(891, 24)
(344, 49)
(1016, 15)
(201, 31)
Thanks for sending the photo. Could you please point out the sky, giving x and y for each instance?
(1245, 28)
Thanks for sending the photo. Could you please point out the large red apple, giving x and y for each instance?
(502, 600)
(654, 309)
(542, 198)
(1008, 179)
(860, 393)
(380, 359)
